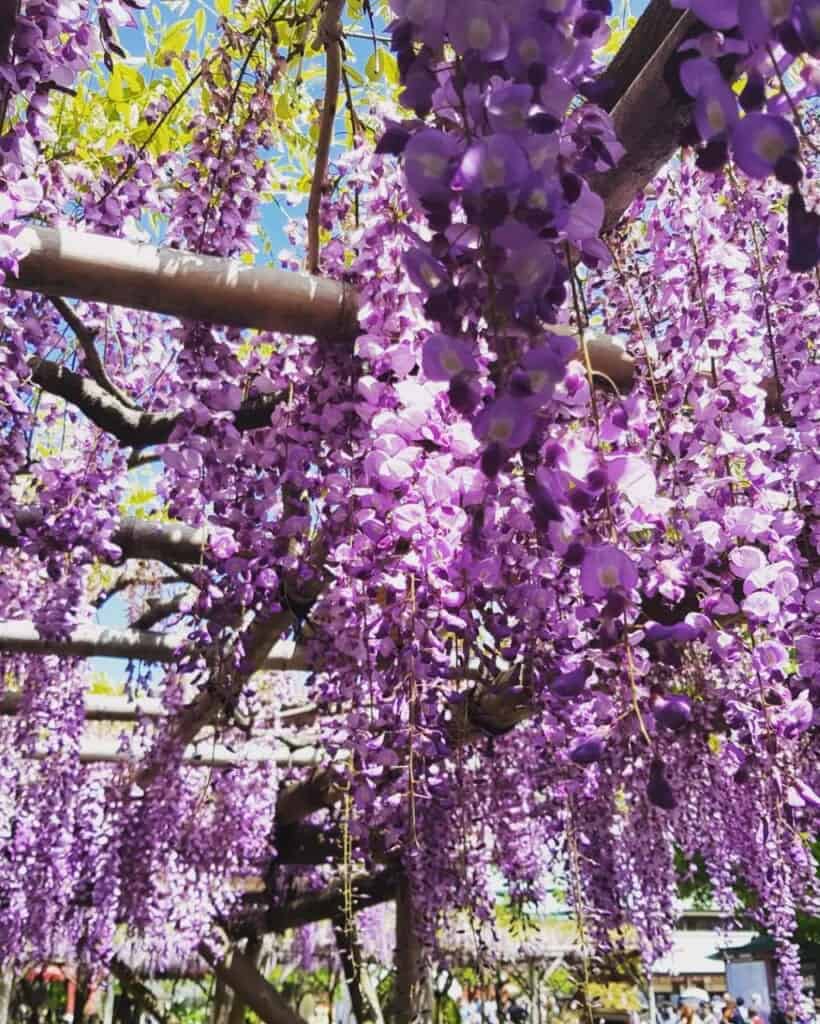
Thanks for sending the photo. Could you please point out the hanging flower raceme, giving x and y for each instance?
(766, 43)
(492, 167)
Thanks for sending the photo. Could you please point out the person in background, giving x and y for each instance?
(706, 1015)
(731, 1011)
(742, 1009)
(686, 1014)
(470, 1009)
(756, 1013)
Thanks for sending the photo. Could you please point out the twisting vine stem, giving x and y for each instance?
(329, 35)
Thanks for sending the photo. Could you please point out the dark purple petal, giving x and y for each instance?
(658, 789)
(759, 141)
(587, 751)
(804, 235)
(673, 712)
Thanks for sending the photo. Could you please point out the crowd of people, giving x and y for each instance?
(728, 1009)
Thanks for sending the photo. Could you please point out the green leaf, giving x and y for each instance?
(354, 75)
(176, 38)
(199, 22)
(373, 67)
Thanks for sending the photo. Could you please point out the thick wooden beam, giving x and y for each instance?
(97, 268)
(116, 708)
(95, 750)
(89, 641)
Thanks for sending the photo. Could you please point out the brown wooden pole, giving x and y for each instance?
(90, 641)
(242, 976)
(365, 1009)
(253, 951)
(409, 974)
(111, 270)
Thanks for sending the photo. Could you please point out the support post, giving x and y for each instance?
(365, 1005)
(253, 951)
(223, 1002)
(6, 990)
(409, 993)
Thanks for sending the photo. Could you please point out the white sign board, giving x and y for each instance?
(747, 978)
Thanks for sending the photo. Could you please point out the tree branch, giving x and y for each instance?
(329, 36)
(648, 120)
(365, 1008)
(131, 427)
(140, 991)
(91, 357)
(159, 609)
(240, 974)
(324, 905)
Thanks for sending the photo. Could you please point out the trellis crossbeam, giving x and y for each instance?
(89, 641)
(183, 284)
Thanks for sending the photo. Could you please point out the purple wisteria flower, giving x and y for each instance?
(532, 267)
(716, 109)
(719, 14)
(587, 750)
(445, 357)
(426, 272)
(508, 108)
(540, 370)
(429, 164)
(533, 47)
(480, 27)
(762, 143)
(673, 712)
(758, 18)
(745, 560)
(497, 162)
(571, 684)
(507, 422)
(606, 568)
(426, 17)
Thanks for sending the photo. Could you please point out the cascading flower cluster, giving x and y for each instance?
(497, 163)
(758, 44)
